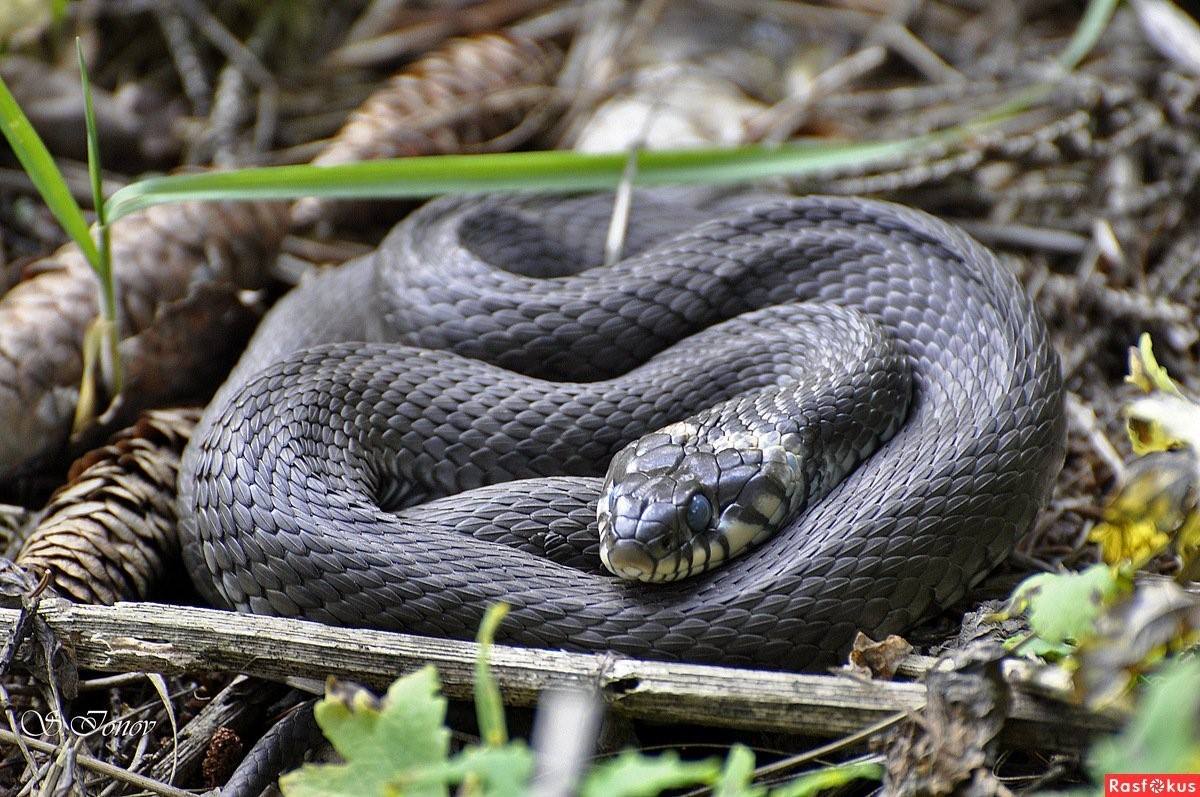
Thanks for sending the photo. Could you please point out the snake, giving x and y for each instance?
(774, 422)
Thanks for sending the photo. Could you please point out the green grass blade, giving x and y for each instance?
(1087, 32)
(46, 177)
(557, 171)
(489, 706)
(93, 137)
(111, 359)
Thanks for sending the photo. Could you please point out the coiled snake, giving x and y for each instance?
(409, 485)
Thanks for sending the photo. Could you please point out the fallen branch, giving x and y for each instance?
(172, 639)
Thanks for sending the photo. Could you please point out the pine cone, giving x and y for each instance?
(109, 533)
(481, 94)
(161, 256)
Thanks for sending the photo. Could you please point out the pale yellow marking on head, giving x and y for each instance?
(704, 557)
(739, 535)
(768, 504)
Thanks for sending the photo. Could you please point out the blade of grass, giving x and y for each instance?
(85, 405)
(47, 179)
(93, 141)
(1087, 32)
(488, 704)
(556, 171)
(110, 353)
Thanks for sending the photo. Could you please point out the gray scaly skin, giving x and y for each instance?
(370, 484)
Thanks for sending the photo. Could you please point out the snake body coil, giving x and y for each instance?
(408, 485)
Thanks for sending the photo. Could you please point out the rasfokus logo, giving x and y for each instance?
(1147, 783)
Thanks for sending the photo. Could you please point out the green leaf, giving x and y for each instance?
(399, 745)
(1034, 646)
(501, 771)
(1063, 607)
(632, 774)
(1164, 733)
(829, 778)
(36, 160)
(736, 777)
(489, 707)
(380, 743)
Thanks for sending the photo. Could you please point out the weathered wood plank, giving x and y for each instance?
(172, 639)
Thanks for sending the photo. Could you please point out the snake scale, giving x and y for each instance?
(455, 459)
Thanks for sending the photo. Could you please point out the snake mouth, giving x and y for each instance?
(652, 552)
(629, 559)
(647, 556)
(640, 536)
(635, 561)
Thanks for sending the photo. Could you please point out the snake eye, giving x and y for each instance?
(699, 512)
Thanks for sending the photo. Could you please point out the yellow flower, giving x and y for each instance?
(1156, 503)
(1135, 541)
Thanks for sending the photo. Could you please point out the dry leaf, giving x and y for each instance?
(878, 659)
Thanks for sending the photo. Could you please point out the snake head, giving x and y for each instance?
(678, 502)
